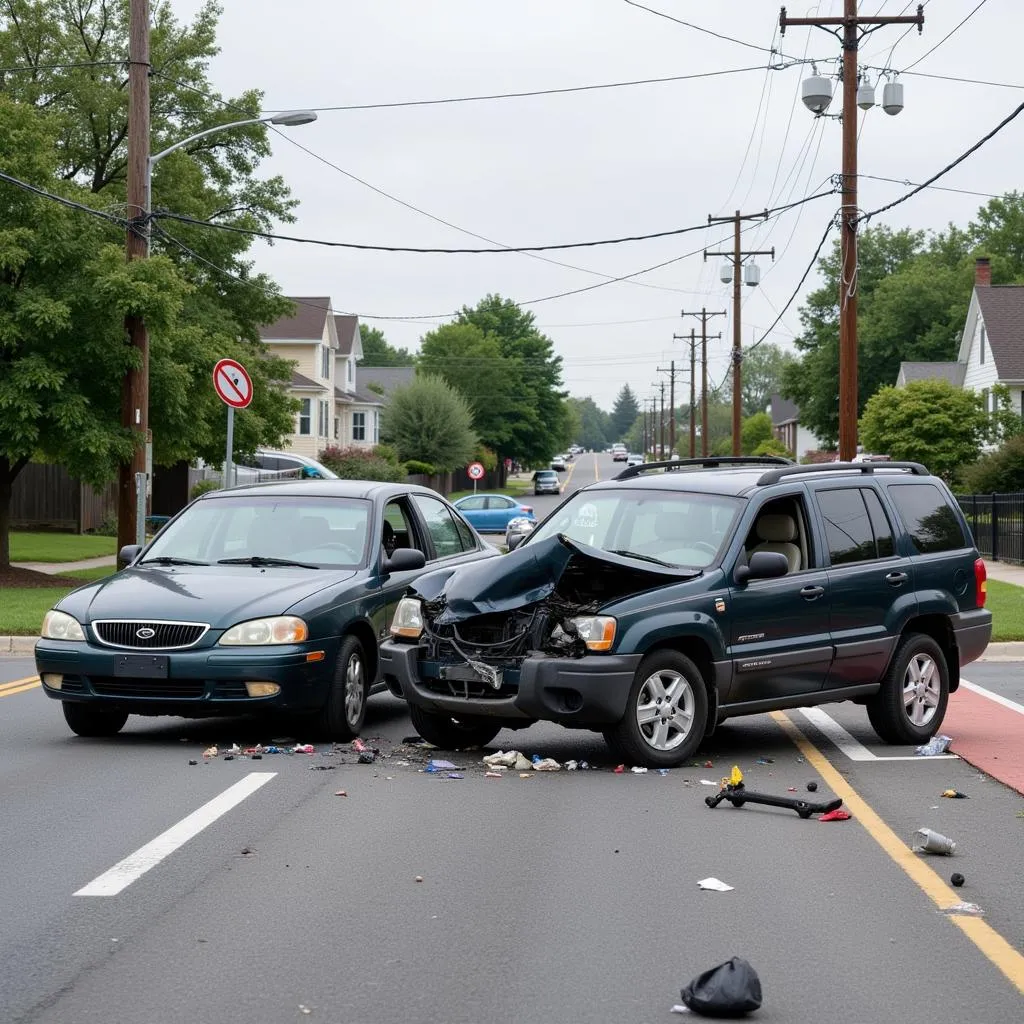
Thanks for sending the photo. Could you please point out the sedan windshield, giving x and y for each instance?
(327, 533)
(677, 528)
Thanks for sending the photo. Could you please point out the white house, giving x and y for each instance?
(786, 427)
(991, 346)
(357, 412)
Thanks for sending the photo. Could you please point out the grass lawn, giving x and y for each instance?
(1006, 602)
(59, 547)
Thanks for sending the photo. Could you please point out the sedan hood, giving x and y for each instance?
(218, 595)
(529, 574)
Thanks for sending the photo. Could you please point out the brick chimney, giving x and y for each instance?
(982, 272)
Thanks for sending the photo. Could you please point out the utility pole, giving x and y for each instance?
(135, 386)
(703, 314)
(671, 371)
(851, 23)
(661, 423)
(693, 387)
(753, 277)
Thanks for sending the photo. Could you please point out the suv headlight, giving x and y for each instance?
(61, 626)
(278, 629)
(596, 631)
(408, 620)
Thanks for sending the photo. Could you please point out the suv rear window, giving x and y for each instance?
(928, 517)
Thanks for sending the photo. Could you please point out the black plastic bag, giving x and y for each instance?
(728, 990)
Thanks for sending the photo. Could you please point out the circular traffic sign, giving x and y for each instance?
(475, 471)
(232, 384)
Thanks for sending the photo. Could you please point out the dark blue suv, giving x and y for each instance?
(654, 606)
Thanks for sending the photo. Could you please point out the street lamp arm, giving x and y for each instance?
(200, 135)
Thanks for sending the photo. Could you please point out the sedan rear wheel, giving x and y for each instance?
(666, 713)
(342, 717)
(91, 721)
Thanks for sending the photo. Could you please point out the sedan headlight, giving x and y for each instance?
(61, 626)
(408, 620)
(279, 629)
(596, 631)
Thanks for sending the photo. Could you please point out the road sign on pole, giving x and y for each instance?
(475, 471)
(234, 387)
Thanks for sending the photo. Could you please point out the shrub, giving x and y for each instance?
(355, 463)
(420, 468)
(430, 421)
(201, 487)
(1001, 472)
(772, 446)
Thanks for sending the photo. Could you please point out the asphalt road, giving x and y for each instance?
(562, 897)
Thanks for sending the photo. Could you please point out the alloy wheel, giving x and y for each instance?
(665, 709)
(922, 689)
(355, 694)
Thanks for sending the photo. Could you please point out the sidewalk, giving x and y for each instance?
(59, 568)
(1005, 572)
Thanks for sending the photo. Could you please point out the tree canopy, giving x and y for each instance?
(377, 351)
(592, 430)
(623, 414)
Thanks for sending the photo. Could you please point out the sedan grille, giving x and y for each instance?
(175, 689)
(149, 636)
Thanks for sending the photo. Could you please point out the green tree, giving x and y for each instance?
(623, 414)
(429, 421)
(928, 421)
(1000, 472)
(76, 144)
(772, 446)
(593, 424)
(755, 430)
(763, 370)
(377, 351)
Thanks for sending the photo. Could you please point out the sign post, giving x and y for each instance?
(475, 471)
(234, 388)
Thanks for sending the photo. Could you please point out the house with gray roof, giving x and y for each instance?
(786, 427)
(991, 346)
(386, 378)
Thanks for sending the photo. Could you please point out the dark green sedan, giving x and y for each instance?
(268, 598)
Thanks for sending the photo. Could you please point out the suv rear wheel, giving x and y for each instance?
(453, 733)
(666, 713)
(911, 704)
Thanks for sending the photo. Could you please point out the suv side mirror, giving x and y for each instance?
(405, 560)
(763, 565)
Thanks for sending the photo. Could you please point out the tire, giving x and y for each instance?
(666, 713)
(453, 733)
(341, 718)
(915, 686)
(88, 720)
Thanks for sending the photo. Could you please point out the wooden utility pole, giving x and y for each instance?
(703, 314)
(135, 386)
(736, 256)
(671, 371)
(851, 23)
(693, 387)
(661, 423)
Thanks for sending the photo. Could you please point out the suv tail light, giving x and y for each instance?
(980, 586)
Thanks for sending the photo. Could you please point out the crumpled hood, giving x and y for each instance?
(211, 594)
(524, 576)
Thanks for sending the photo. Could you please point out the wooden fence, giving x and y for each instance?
(49, 498)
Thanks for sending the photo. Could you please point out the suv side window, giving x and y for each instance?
(852, 532)
(931, 523)
(440, 525)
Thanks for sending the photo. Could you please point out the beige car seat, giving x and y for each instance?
(778, 533)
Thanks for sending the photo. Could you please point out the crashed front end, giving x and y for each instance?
(522, 636)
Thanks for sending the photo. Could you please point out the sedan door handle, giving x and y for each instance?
(812, 593)
(896, 579)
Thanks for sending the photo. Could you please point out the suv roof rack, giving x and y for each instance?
(707, 462)
(773, 476)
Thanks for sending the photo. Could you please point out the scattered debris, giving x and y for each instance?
(619, 769)
(303, 748)
(766, 760)
(545, 764)
(715, 885)
(417, 741)
(728, 990)
(708, 782)
(638, 771)
(193, 762)
(322, 767)
(679, 1008)
(965, 909)
(839, 814)
(367, 757)
(502, 759)
(571, 766)
(954, 794)
(210, 752)
(933, 842)
(305, 1009)
(246, 851)
(526, 775)
(663, 772)
(709, 764)
(229, 757)
(455, 775)
(522, 764)
(493, 775)
(812, 787)
(957, 879)
(791, 789)
(418, 878)
(440, 766)
(733, 790)
(359, 746)
(935, 746)
(342, 792)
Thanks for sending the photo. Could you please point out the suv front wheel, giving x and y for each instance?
(911, 704)
(666, 713)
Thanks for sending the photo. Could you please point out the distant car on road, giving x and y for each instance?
(490, 513)
(619, 453)
(633, 459)
(545, 481)
(253, 600)
(558, 463)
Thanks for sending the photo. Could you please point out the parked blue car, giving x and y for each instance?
(491, 513)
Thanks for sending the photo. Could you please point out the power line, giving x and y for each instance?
(273, 236)
(945, 170)
(940, 188)
(63, 67)
(952, 78)
(945, 37)
(70, 203)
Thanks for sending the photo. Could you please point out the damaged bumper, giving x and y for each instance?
(588, 691)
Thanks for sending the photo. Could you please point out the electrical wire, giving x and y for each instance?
(273, 236)
(70, 203)
(64, 67)
(955, 29)
(945, 170)
(954, 78)
(940, 188)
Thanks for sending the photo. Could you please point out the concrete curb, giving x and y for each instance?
(18, 644)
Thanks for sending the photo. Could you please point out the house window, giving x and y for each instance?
(348, 363)
(325, 362)
(983, 336)
(359, 426)
(323, 418)
(985, 400)
(305, 413)
(337, 427)
(376, 424)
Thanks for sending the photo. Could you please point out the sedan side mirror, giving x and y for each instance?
(763, 565)
(405, 560)
(128, 554)
(515, 540)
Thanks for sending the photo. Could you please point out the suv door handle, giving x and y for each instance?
(896, 579)
(811, 593)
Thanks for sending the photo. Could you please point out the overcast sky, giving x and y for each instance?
(599, 164)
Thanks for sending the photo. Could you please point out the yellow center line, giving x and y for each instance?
(568, 476)
(19, 686)
(597, 472)
(991, 944)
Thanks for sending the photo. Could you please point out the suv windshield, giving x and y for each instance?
(676, 527)
(328, 533)
(546, 474)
